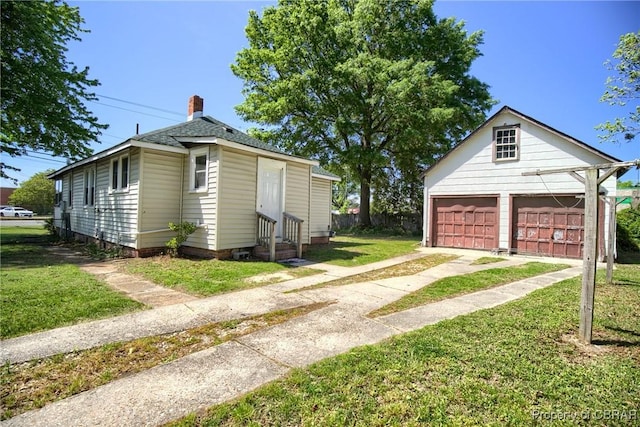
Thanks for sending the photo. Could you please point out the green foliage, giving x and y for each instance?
(43, 93)
(50, 226)
(37, 193)
(374, 86)
(623, 88)
(626, 184)
(183, 230)
(344, 191)
(398, 192)
(628, 230)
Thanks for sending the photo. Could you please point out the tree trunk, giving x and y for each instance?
(365, 198)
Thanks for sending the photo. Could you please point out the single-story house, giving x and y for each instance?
(476, 197)
(240, 192)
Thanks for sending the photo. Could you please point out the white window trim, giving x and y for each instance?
(193, 154)
(495, 143)
(86, 196)
(119, 188)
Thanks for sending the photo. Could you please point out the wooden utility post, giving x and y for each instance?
(611, 242)
(592, 181)
(589, 253)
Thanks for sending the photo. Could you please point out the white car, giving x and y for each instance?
(15, 211)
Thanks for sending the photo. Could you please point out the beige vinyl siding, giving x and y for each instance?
(83, 217)
(320, 222)
(237, 199)
(78, 223)
(160, 189)
(201, 208)
(117, 217)
(297, 194)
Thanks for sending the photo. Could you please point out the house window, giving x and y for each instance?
(198, 176)
(115, 166)
(120, 173)
(124, 168)
(89, 187)
(70, 190)
(506, 143)
(58, 197)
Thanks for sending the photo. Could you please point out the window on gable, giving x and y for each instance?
(120, 173)
(198, 169)
(506, 143)
(89, 187)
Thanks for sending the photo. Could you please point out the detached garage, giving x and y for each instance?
(476, 197)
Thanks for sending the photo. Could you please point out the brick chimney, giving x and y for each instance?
(196, 106)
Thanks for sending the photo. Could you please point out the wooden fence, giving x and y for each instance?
(409, 222)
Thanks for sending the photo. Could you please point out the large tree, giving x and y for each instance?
(43, 93)
(623, 88)
(361, 83)
(36, 193)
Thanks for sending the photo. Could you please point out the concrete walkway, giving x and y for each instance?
(220, 373)
(133, 287)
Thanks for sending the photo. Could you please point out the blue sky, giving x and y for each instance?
(544, 59)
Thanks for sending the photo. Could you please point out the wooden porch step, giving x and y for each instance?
(283, 251)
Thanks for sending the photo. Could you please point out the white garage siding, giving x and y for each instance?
(320, 207)
(470, 170)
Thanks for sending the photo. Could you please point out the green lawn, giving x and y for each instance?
(516, 364)
(39, 291)
(458, 285)
(209, 277)
(349, 251)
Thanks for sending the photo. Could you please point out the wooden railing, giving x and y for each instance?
(266, 234)
(292, 231)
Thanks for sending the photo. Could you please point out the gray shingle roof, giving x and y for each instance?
(205, 126)
(320, 171)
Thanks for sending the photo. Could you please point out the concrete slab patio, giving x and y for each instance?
(220, 373)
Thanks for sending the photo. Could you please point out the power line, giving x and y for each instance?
(43, 158)
(31, 156)
(140, 105)
(134, 111)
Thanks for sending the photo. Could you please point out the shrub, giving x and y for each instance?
(628, 230)
(183, 230)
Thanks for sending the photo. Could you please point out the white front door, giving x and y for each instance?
(270, 197)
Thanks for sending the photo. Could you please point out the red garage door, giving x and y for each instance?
(466, 222)
(548, 226)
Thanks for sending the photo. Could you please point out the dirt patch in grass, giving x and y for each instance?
(487, 260)
(270, 278)
(33, 384)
